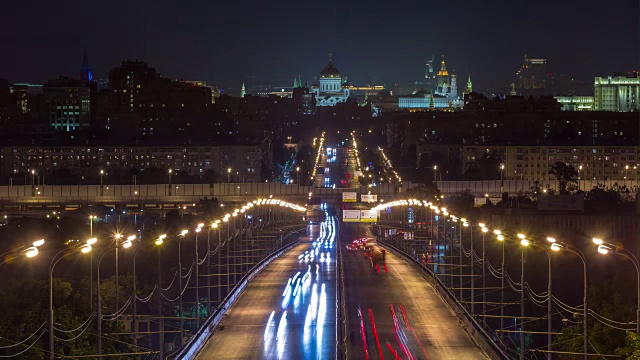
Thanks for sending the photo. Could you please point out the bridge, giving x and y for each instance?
(283, 285)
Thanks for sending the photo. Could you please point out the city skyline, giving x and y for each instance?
(371, 42)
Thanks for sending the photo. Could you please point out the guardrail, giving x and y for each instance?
(478, 334)
(341, 319)
(193, 346)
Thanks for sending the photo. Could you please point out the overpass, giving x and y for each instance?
(165, 196)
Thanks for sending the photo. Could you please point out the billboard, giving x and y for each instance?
(350, 215)
(369, 198)
(368, 216)
(349, 197)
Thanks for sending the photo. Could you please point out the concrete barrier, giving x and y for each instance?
(193, 346)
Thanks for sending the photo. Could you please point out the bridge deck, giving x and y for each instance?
(426, 327)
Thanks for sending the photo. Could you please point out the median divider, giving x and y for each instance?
(193, 346)
(482, 339)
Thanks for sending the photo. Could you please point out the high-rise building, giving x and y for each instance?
(620, 92)
(443, 75)
(243, 91)
(69, 104)
(430, 76)
(532, 76)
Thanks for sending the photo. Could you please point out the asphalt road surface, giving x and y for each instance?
(396, 314)
(288, 310)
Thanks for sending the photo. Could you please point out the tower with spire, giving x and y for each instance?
(85, 72)
(443, 74)
(243, 91)
(469, 88)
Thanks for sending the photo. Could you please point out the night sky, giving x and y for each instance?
(270, 42)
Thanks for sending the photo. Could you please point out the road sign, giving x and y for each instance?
(350, 215)
(349, 197)
(369, 198)
(368, 215)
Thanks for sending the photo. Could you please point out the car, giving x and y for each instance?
(350, 247)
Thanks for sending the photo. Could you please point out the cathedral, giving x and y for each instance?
(330, 88)
(445, 83)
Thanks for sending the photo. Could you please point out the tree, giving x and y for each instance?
(429, 192)
(631, 350)
(566, 175)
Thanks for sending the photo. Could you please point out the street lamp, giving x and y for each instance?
(501, 178)
(170, 186)
(126, 244)
(524, 242)
(484, 270)
(27, 250)
(435, 174)
(183, 234)
(298, 175)
(557, 246)
(84, 248)
(604, 249)
(198, 229)
(101, 174)
(228, 175)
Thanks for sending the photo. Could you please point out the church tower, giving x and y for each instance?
(453, 94)
(243, 91)
(469, 88)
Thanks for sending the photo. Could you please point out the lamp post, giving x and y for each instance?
(134, 320)
(84, 248)
(557, 246)
(213, 226)
(298, 175)
(183, 233)
(170, 186)
(28, 251)
(484, 271)
(435, 174)
(604, 249)
(228, 175)
(126, 244)
(579, 171)
(500, 238)
(524, 242)
(91, 241)
(501, 178)
(33, 175)
(198, 229)
(464, 224)
(101, 174)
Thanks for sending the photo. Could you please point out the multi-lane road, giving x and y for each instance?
(394, 313)
(288, 311)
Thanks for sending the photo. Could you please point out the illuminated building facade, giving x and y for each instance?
(576, 103)
(330, 89)
(68, 104)
(620, 92)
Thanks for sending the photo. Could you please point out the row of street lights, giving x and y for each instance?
(552, 246)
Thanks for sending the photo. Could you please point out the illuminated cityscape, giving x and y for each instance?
(354, 180)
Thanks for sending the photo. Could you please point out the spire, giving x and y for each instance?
(295, 83)
(85, 71)
(300, 81)
(443, 68)
(469, 88)
(243, 92)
